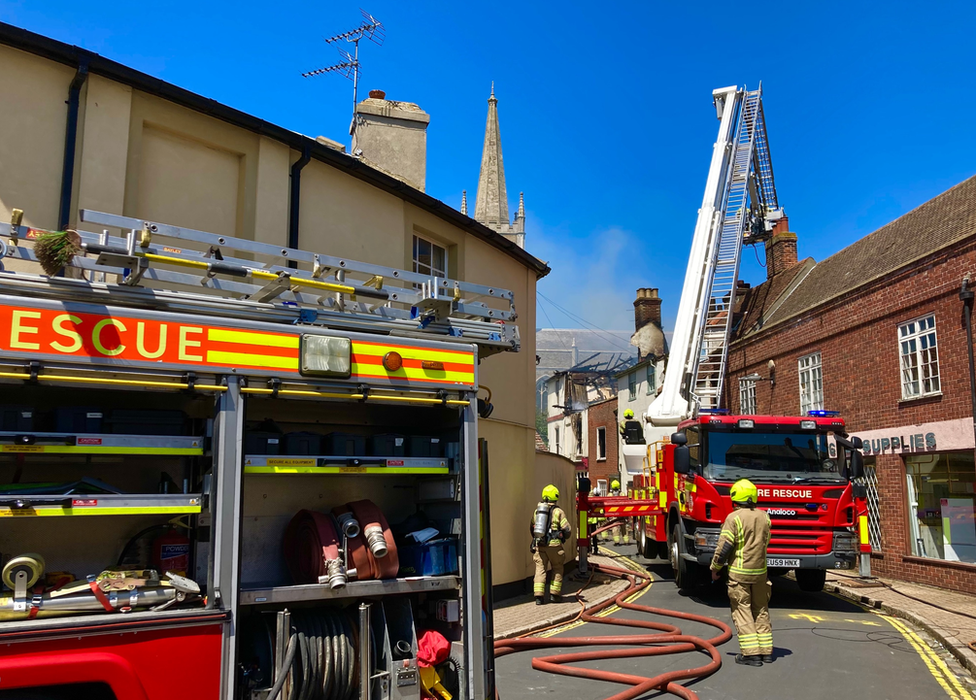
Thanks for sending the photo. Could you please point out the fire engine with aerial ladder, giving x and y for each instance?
(686, 452)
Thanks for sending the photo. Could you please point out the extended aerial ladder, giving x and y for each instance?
(739, 208)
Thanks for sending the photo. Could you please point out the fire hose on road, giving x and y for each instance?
(666, 639)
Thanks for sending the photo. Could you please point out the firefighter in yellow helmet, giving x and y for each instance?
(550, 529)
(630, 429)
(742, 545)
(620, 532)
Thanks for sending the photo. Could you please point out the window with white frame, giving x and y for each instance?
(651, 379)
(632, 385)
(919, 358)
(811, 383)
(601, 443)
(747, 397)
(429, 258)
(556, 434)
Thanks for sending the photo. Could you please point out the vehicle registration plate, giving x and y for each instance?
(782, 563)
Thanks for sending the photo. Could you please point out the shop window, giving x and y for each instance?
(601, 443)
(811, 383)
(651, 379)
(941, 505)
(632, 385)
(919, 358)
(429, 258)
(747, 397)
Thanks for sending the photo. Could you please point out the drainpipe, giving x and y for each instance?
(295, 199)
(70, 139)
(966, 295)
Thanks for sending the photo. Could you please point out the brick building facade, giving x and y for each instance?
(602, 463)
(876, 332)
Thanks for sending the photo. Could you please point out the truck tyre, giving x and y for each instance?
(687, 576)
(811, 580)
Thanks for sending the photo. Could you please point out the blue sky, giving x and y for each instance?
(606, 115)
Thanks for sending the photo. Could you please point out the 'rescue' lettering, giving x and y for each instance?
(785, 493)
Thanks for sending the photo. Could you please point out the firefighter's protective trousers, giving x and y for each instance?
(743, 543)
(552, 556)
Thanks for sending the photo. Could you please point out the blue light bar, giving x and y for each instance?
(822, 414)
(714, 412)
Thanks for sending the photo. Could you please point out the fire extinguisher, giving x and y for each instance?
(171, 552)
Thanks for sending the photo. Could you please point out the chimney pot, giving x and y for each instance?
(377, 94)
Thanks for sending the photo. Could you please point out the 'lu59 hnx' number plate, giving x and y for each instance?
(782, 563)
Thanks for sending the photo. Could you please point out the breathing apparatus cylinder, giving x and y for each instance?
(542, 521)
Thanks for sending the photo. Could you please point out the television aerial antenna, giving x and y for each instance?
(370, 28)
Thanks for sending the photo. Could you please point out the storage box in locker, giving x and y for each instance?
(78, 420)
(388, 445)
(345, 445)
(425, 446)
(16, 418)
(145, 422)
(257, 442)
(433, 558)
(303, 444)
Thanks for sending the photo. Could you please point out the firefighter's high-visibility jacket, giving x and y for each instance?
(558, 525)
(742, 544)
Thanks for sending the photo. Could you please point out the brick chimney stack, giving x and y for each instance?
(647, 308)
(780, 249)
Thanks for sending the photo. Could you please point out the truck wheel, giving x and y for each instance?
(811, 580)
(687, 576)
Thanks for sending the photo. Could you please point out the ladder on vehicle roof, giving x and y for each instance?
(166, 267)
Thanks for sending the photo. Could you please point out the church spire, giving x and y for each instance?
(491, 202)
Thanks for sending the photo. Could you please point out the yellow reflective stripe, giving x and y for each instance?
(747, 572)
(369, 370)
(413, 353)
(99, 449)
(268, 340)
(583, 523)
(219, 357)
(346, 470)
(863, 523)
(58, 511)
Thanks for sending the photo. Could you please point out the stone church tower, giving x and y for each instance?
(491, 202)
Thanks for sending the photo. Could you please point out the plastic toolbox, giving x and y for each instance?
(303, 443)
(388, 445)
(257, 442)
(433, 558)
(345, 445)
(78, 419)
(425, 446)
(17, 417)
(145, 422)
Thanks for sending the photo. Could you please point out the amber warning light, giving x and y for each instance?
(432, 364)
(392, 361)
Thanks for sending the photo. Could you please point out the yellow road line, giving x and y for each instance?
(936, 666)
(932, 660)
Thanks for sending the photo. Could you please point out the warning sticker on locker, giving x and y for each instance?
(289, 462)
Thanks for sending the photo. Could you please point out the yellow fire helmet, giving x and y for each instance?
(615, 484)
(550, 493)
(744, 491)
(628, 414)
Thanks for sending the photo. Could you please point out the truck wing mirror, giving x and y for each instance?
(679, 439)
(857, 442)
(682, 460)
(857, 464)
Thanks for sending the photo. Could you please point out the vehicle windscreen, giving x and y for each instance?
(771, 457)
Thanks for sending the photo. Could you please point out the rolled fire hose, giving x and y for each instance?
(360, 560)
(379, 538)
(668, 639)
(320, 658)
(32, 564)
(311, 547)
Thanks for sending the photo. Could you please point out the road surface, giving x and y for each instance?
(824, 646)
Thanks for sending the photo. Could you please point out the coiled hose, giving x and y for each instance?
(320, 659)
(668, 639)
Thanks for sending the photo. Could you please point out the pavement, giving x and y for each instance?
(857, 641)
(949, 616)
(517, 616)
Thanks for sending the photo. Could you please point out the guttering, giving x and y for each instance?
(70, 140)
(295, 196)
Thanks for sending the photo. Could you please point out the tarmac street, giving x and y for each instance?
(824, 645)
